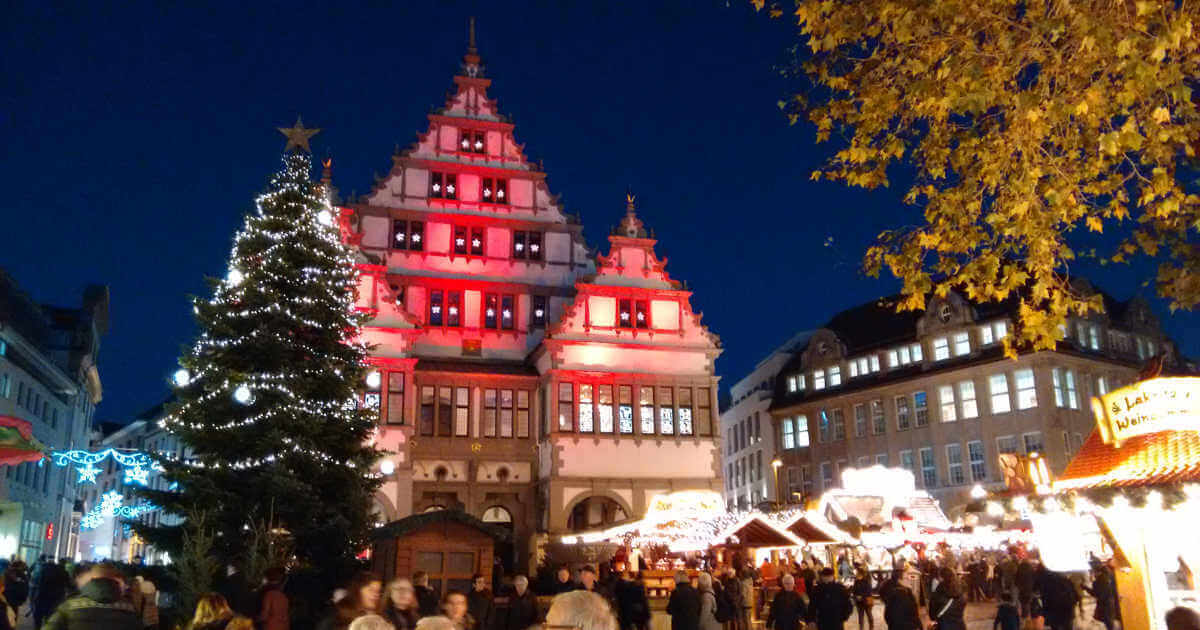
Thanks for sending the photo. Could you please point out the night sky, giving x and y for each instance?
(134, 138)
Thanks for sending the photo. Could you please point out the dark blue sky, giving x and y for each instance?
(134, 138)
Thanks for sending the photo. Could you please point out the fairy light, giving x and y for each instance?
(181, 378)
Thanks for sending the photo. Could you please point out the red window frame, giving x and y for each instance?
(493, 190)
(443, 185)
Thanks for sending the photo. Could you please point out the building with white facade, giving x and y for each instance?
(749, 446)
(48, 377)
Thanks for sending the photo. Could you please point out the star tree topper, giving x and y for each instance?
(298, 136)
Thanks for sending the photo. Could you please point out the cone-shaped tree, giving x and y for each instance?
(267, 394)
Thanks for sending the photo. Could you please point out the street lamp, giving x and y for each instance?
(775, 464)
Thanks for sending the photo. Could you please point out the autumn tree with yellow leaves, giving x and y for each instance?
(1026, 124)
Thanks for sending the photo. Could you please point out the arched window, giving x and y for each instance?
(440, 473)
(595, 512)
(497, 514)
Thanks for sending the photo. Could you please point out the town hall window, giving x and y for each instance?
(435, 308)
(527, 245)
(625, 313)
(537, 315)
(604, 407)
(566, 406)
(491, 310)
(641, 313)
(453, 308)
(460, 239)
(443, 185)
(646, 407)
(506, 312)
(468, 240)
(586, 417)
(625, 409)
(494, 190)
(471, 141)
(476, 241)
(685, 411)
(666, 411)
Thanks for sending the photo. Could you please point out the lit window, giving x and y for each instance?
(966, 397)
(860, 420)
(878, 421)
(818, 379)
(683, 407)
(823, 427)
(1101, 386)
(460, 239)
(874, 362)
(839, 424)
(586, 411)
(998, 388)
(993, 332)
(537, 314)
(625, 409)
(916, 352)
(835, 376)
(471, 141)
(791, 384)
(666, 411)
(1006, 444)
(921, 404)
(527, 245)
(491, 310)
(646, 410)
(928, 468)
(907, 462)
(1094, 337)
(853, 368)
(443, 186)
(476, 241)
(941, 349)
(802, 438)
(789, 434)
(954, 465)
(962, 344)
(800, 382)
(407, 235)
(507, 306)
(946, 400)
(1026, 391)
(494, 190)
(604, 407)
(436, 316)
(641, 313)
(975, 455)
(893, 359)
(903, 413)
(625, 313)
(1064, 388)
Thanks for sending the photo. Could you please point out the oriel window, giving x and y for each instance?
(566, 406)
(443, 185)
(646, 410)
(586, 417)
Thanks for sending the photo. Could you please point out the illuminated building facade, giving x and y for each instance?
(932, 392)
(519, 378)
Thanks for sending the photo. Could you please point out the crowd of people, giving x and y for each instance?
(929, 594)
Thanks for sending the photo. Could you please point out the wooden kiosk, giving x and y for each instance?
(449, 545)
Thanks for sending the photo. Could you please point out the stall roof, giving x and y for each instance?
(756, 531)
(804, 529)
(1142, 460)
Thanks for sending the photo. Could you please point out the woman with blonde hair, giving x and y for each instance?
(212, 613)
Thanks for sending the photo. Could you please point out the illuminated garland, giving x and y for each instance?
(111, 505)
(138, 465)
(1165, 496)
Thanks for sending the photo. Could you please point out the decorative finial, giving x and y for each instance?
(629, 199)
(471, 36)
(298, 136)
(631, 226)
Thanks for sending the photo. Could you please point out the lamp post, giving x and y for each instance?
(775, 464)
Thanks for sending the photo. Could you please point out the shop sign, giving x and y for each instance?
(1150, 406)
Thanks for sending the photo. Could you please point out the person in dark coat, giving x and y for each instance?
(562, 581)
(588, 582)
(49, 591)
(863, 597)
(633, 609)
(1026, 574)
(829, 603)
(1059, 599)
(16, 584)
(946, 603)
(427, 600)
(1103, 589)
(900, 610)
(684, 604)
(809, 576)
(1007, 615)
(479, 603)
(787, 609)
(98, 606)
(522, 606)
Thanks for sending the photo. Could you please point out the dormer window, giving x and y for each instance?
(819, 379)
(625, 313)
(408, 235)
(443, 186)
(537, 316)
(992, 332)
(632, 314)
(494, 190)
(527, 245)
(904, 355)
(471, 141)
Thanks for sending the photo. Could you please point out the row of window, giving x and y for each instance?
(30, 400)
(955, 401)
(35, 477)
(962, 466)
(491, 189)
(610, 408)
(956, 344)
(499, 310)
(467, 240)
(748, 469)
(746, 432)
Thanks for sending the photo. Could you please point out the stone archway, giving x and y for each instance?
(595, 511)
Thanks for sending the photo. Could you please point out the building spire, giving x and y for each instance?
(471, 66)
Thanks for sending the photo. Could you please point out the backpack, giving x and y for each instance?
(725, 610)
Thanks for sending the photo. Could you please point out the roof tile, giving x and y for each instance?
(1156, 458)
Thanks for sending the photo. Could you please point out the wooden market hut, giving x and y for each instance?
(803, 528)
(755, 532)
(449, 545)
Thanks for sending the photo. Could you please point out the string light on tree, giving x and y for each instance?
(181, 377)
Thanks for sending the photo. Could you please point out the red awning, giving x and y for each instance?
(17, 444)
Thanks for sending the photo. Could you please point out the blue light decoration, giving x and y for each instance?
(112, 504)
(138, 464)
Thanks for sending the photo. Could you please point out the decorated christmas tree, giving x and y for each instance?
(267, 395)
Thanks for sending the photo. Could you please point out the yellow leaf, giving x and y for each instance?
(1081, 108)
(1161, 115)
(1094, 224)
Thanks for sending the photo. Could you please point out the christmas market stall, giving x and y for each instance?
(1138, 477)
(448, 545)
